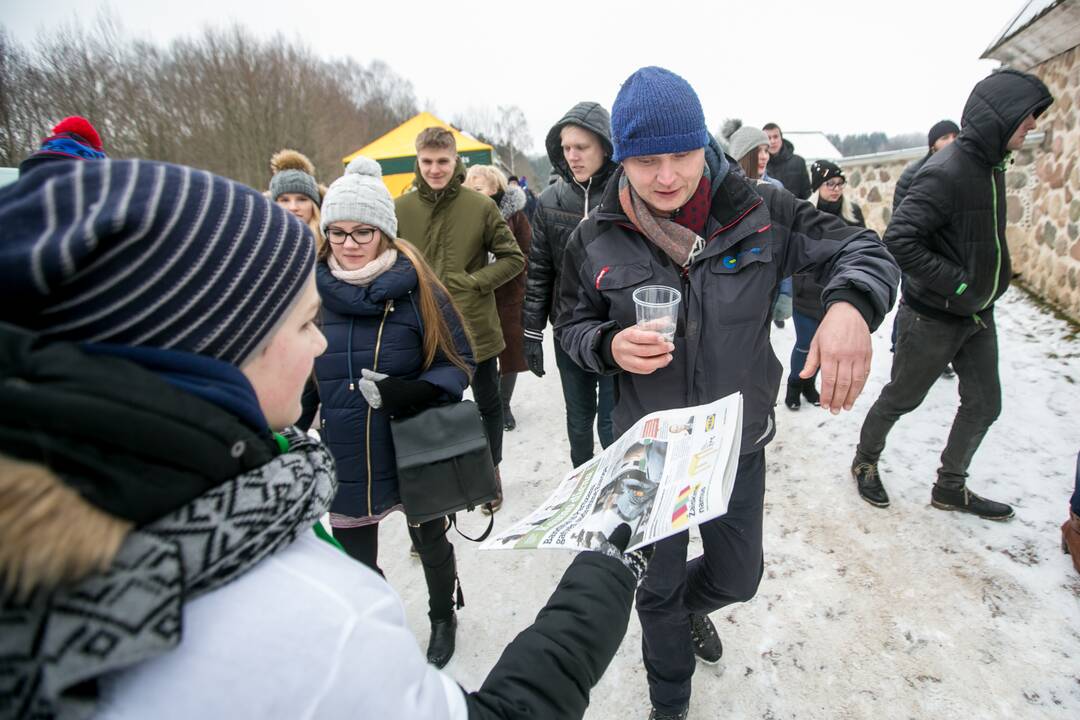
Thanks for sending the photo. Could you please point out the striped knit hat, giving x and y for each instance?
(148, 254)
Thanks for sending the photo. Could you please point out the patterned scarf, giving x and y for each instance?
(55, 643)
(678, 241)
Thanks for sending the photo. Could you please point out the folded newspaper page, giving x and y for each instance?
(672, 470)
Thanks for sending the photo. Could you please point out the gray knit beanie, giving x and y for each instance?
(745, 139)
(294, 181)
(360, 196)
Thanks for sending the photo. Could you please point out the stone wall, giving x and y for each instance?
(1042, 187)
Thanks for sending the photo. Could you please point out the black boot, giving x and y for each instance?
(705, 639)
(791, 400)
(660, 715)
(441, 644)
(869, 483)
(963, 500)
(810, 392)
(506, 390)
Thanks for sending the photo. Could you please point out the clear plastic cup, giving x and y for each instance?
(658, 309)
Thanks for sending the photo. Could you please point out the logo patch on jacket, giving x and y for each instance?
(733, 260)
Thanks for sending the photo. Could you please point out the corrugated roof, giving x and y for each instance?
(1043, 29)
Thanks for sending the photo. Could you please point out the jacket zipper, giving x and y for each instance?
(997, 237)
(374, 367)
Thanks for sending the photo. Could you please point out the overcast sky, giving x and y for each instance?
(845, 66)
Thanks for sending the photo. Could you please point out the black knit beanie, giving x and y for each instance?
(940, 130)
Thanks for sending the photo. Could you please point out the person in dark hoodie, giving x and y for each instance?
(676, 213)
(161, 552)
(579, 146)
(941, 134)
(785, 165)
(948, 235)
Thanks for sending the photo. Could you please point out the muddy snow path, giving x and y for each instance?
(906, 612)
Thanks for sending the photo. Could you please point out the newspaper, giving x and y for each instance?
(672, 470)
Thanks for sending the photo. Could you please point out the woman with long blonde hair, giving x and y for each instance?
(395, 345)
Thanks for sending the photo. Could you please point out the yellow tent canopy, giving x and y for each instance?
(396, 151)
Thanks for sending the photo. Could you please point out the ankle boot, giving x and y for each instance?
(441, 643)
(810, 392)
(1070, 538)
(791, 400)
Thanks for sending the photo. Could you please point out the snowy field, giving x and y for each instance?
(907, 612)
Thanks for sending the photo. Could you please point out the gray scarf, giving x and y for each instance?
(56, 644)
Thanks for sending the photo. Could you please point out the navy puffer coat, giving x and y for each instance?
(377, 327)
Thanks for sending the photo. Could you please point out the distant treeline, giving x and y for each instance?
(875, 142)
(222, 100)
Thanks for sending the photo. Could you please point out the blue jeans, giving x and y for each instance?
(728, 572)
(805, 327)
(588, 397)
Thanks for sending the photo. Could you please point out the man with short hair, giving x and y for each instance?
(948, 235)
(675, 214)
(456, 228)
(785, 165)
(579, 147)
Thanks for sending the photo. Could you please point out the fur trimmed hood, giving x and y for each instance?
(513, 200)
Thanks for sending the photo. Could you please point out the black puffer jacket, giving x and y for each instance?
(757, 235)
(904, 183)
(563, 204)
(948, 235)
(790, 169)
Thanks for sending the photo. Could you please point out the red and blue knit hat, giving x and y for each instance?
(656, 112)
(149, 254)
(73, 138)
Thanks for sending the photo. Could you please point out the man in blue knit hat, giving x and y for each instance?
(679, 213)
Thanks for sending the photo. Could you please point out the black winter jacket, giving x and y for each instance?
(904, 183)
(757, 235)
(563, 204)
(806, 291)
(790, 169)
(948, 234)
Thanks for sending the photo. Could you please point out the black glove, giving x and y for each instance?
(534, 356)
(637, 561)
(406, 397)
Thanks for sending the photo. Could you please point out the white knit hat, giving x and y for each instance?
(360, 196)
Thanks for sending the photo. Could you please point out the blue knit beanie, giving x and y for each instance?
(656, 112)
(148, 254)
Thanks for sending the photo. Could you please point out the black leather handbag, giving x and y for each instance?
(443, 463)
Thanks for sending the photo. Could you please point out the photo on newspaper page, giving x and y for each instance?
(672, 470)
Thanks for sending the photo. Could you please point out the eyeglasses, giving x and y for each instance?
(360, 236)
(836, 184)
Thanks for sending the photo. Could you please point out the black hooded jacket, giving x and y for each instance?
(790, 169)
(563, 204)
(948, 234)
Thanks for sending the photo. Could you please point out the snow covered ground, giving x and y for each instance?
(907, 612)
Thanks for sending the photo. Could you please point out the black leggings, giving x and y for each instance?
(436, 555)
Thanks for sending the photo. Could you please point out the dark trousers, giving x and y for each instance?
(485, 387)
(924, 347)
(728, 572)
(1074, 502)
(588, 397)
(436, 555)
(805, 329)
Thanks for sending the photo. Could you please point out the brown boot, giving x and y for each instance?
(497, 502)
(1070, 538)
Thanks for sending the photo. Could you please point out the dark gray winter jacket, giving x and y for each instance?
(563, 204)
(790, 169)
(757, 235)
(904, 183)
(948, 234)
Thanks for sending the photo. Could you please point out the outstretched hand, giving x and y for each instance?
(841, 348)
